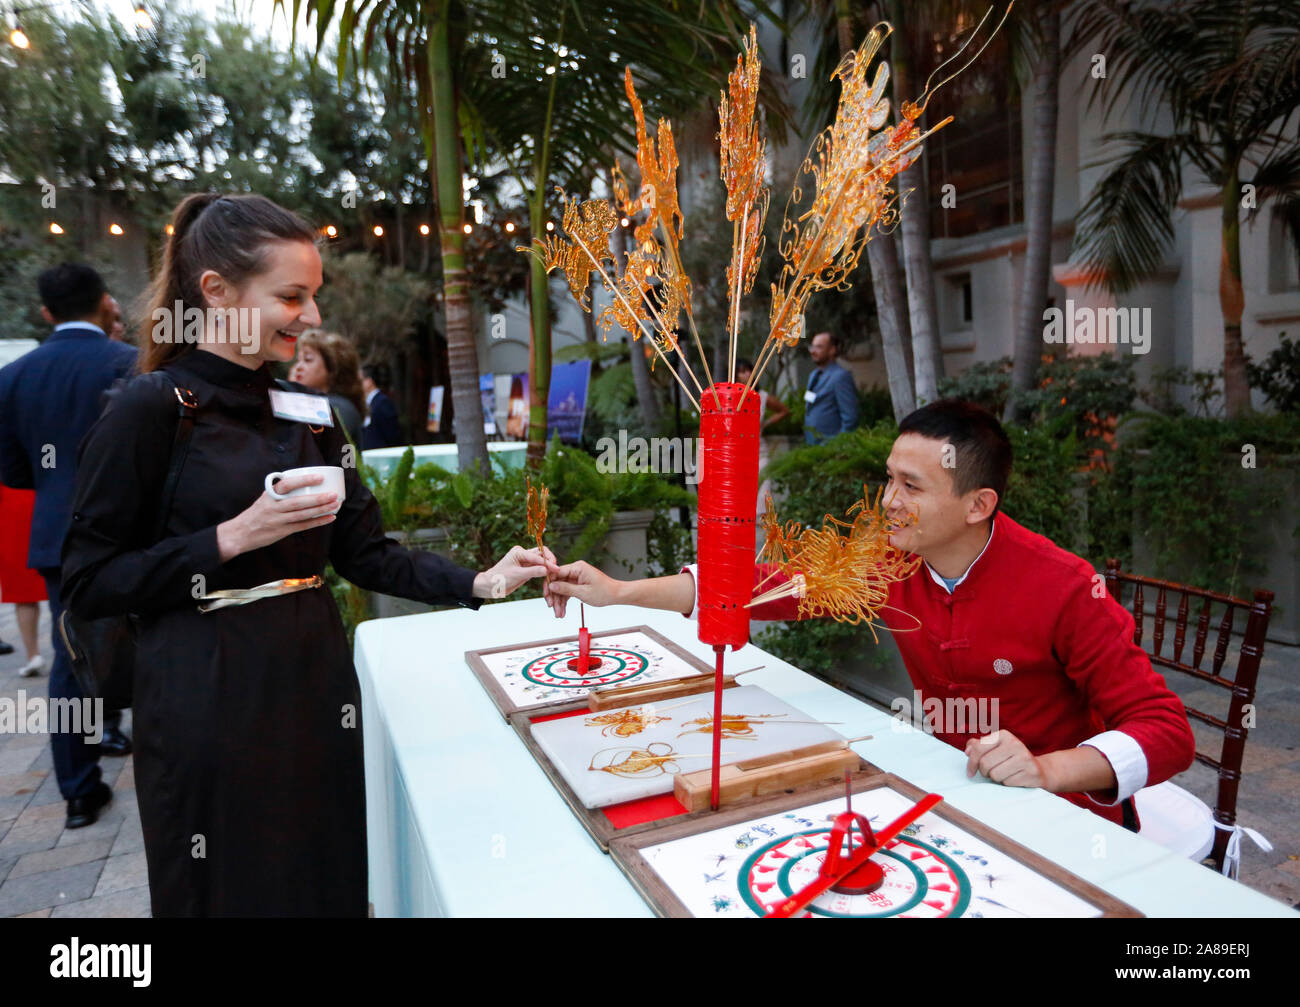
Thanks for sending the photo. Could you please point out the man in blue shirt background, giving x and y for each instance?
(49, 398)
(831, 401)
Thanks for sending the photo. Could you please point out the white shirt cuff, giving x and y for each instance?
(694, 570)
(1126, 758)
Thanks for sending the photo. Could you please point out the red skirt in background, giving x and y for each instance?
(18, 584)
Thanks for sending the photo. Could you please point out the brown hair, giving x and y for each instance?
(342, 363)
(228, 234)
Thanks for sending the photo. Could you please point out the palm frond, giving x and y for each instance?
(1277, 180)
(1123, 229)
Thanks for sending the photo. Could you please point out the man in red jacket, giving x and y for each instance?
(1007, 618)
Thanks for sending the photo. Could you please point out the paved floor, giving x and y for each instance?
(47, 870)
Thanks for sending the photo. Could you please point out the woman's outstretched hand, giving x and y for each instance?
(513, 569)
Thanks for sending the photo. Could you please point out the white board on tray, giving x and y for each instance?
(622, 755)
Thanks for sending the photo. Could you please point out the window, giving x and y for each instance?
(978, 154)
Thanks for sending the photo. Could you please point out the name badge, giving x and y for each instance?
(301, 407)
(810, 397)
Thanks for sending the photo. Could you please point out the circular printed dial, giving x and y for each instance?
(616, 665)
(919, 880)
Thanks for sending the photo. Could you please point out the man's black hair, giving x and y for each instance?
(376, 371)
(71, 291)
(982, 450)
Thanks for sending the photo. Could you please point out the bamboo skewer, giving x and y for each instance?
(619, 294)
(811, 256)
(671, 245)
(739, 283)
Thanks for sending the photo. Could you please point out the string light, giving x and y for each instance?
(55, 228)
(331, 231)
(510, 227)
(18, 39)
(142, 18)
(424, 229)
(115, 229)
(169, 229)
(379, 231)
(469, 228)
(550, 225)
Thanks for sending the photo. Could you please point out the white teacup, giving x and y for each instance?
(331, 482)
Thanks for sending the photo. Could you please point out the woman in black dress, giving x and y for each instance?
(247, 718)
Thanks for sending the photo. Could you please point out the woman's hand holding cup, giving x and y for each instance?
(277, 513)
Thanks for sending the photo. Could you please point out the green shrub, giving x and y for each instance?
(484, 516)
(1192, 498)
(1040, 492)
(1279, 377)
(986, 383)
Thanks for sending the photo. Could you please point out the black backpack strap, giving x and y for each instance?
(186, 409)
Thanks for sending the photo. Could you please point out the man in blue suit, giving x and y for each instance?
(49, 398)
(831, 401)
(381, 429)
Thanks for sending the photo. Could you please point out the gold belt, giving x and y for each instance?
(242, 596)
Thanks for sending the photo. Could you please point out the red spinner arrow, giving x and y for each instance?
(836, 868)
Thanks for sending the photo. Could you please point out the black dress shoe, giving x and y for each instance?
(114, 742)
(6, 648)
(83, 811)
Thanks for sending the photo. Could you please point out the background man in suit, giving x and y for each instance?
(49, 398)
(381, 427)
(831, 401)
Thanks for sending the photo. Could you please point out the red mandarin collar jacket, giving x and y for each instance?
(1033, 627)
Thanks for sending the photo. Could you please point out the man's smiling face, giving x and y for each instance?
(920, 484)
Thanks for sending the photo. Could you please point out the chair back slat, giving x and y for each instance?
(1180, 630)
(1225, 632)
(1202, 631)
(1239, 683)
(1137, 613)
(1158, 638)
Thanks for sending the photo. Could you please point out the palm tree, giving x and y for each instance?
(922, 310)
(421, 37)
(538, 85)
(558, 112)
(1228, 72)
(1036, 34)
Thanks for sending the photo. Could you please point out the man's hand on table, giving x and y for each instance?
(514, 569)
(1003, 758)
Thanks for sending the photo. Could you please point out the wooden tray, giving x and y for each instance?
(599, 824)
(740, 899)
(571, 698)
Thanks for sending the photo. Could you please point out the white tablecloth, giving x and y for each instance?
(463, 822)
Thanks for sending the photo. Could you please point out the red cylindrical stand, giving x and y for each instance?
(728, 490)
